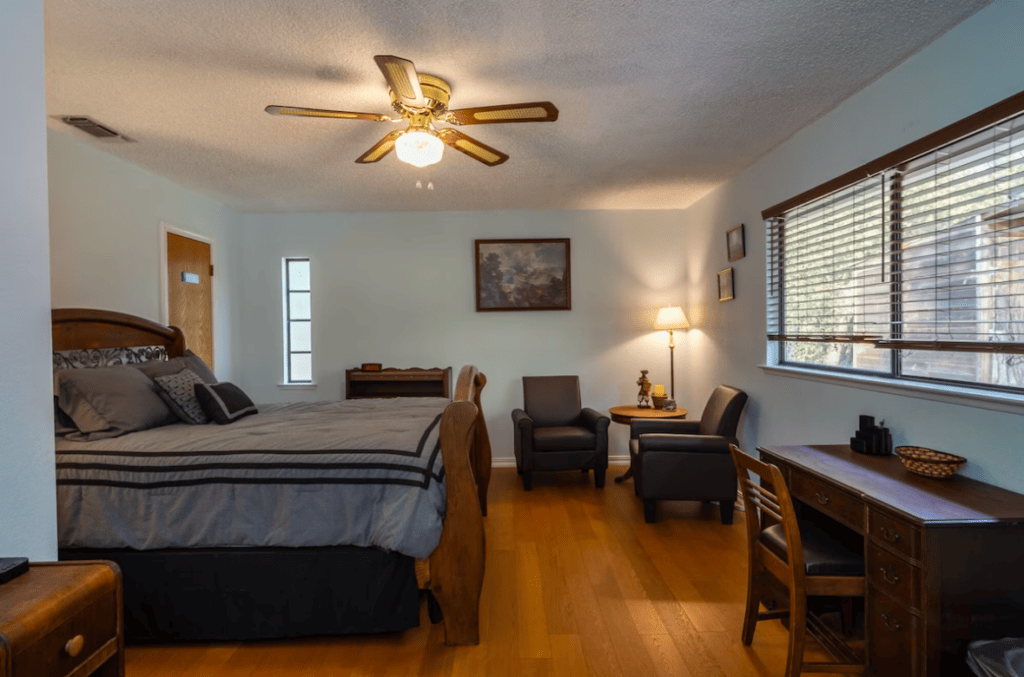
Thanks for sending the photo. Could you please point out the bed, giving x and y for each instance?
(195, 570)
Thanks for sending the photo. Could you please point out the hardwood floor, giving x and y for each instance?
(576, 584)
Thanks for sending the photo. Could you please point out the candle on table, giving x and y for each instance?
(659, 391)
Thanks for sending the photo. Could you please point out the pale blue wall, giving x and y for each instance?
(28, 522)
(105, 217)
(975, 65)
(398, 288)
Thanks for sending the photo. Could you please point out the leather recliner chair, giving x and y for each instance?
(554, 431)
(676, 459)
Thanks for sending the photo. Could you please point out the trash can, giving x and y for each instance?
(997, 658)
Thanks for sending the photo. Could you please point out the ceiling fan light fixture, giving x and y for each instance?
(419, 147)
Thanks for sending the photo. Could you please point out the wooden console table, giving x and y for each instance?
(943, 557)
(398, 383)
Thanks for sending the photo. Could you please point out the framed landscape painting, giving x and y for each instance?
(523, 275)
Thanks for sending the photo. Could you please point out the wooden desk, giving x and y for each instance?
(944, 558)
(627, 413)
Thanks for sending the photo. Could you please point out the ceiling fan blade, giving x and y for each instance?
(402, 79)
(322, 113)
(471, 147)
(537, 111)
(380, 149)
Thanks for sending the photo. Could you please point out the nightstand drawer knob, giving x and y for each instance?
(74, 646)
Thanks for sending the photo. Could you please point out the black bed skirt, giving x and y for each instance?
(227, 594)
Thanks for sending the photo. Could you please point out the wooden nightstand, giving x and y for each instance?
(62, 619)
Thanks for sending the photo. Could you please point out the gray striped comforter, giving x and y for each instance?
(354, 472)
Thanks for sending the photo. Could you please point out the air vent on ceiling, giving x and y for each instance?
(91, 127)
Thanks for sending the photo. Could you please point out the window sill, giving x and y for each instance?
(297, 386)
(967, 397)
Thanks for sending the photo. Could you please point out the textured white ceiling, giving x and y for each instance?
(660, 100)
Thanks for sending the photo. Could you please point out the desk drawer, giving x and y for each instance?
(844, 506)
(894, 532)
(82, 635)
(893, 576)
(892, 639)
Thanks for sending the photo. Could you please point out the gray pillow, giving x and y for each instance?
(62, 423)
(196, 364)
(155, 368)
(110, 401)
(180, 388)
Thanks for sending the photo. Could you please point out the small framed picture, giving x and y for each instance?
(735, 243)
(725, 289)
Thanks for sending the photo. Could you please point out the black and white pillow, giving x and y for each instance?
(180, 389)
(224, 402)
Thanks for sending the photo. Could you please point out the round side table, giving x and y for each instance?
(627, 413)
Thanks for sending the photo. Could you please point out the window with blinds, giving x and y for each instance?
(915, 272)
(298, 321)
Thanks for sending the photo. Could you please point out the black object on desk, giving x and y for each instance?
(12, 567)
(872, 439)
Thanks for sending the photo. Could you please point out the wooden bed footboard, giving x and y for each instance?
(457, 564)
(467, 389)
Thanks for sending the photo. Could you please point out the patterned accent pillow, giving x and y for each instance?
(180, 389)
(224, 402)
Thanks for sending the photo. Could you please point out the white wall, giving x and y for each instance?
(28, 520)
(105, 217)
(973, 66)
(399, 289)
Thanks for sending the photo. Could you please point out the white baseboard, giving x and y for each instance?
(511, 462)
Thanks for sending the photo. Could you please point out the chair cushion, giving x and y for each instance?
(552, 400)
(563, 438)
(824, 554)
(722, 412)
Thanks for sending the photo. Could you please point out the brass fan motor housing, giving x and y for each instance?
(436, 92)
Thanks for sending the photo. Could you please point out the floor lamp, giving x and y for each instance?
(671, 318)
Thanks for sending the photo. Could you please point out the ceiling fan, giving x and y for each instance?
(422, 100)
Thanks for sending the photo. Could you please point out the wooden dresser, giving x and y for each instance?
(398, 383)
(944, 558)
(62, 619)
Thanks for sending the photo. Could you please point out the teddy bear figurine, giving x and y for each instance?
(644, 396)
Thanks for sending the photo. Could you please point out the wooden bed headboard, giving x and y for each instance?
(86, 329)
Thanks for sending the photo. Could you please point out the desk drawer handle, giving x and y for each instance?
(74, 646)
(889, 574)
(822, 497)
(891, 622)
(890, 535)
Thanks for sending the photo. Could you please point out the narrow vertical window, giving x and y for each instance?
(298, 345)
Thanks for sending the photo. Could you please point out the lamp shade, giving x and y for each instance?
(671, 318)
(419, 148)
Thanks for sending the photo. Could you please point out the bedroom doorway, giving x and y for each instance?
(188, 287)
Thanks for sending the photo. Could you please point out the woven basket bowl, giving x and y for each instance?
(930, 463)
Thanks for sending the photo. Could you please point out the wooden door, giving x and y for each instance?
(190, 293)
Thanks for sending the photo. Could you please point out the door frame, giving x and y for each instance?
(165, 312)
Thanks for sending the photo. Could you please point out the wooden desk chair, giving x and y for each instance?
(813, 562)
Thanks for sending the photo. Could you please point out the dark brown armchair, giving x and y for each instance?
(682, 460)
(554, 431)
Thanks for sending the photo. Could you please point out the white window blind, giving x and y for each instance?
(961, 245)
(828, 273)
